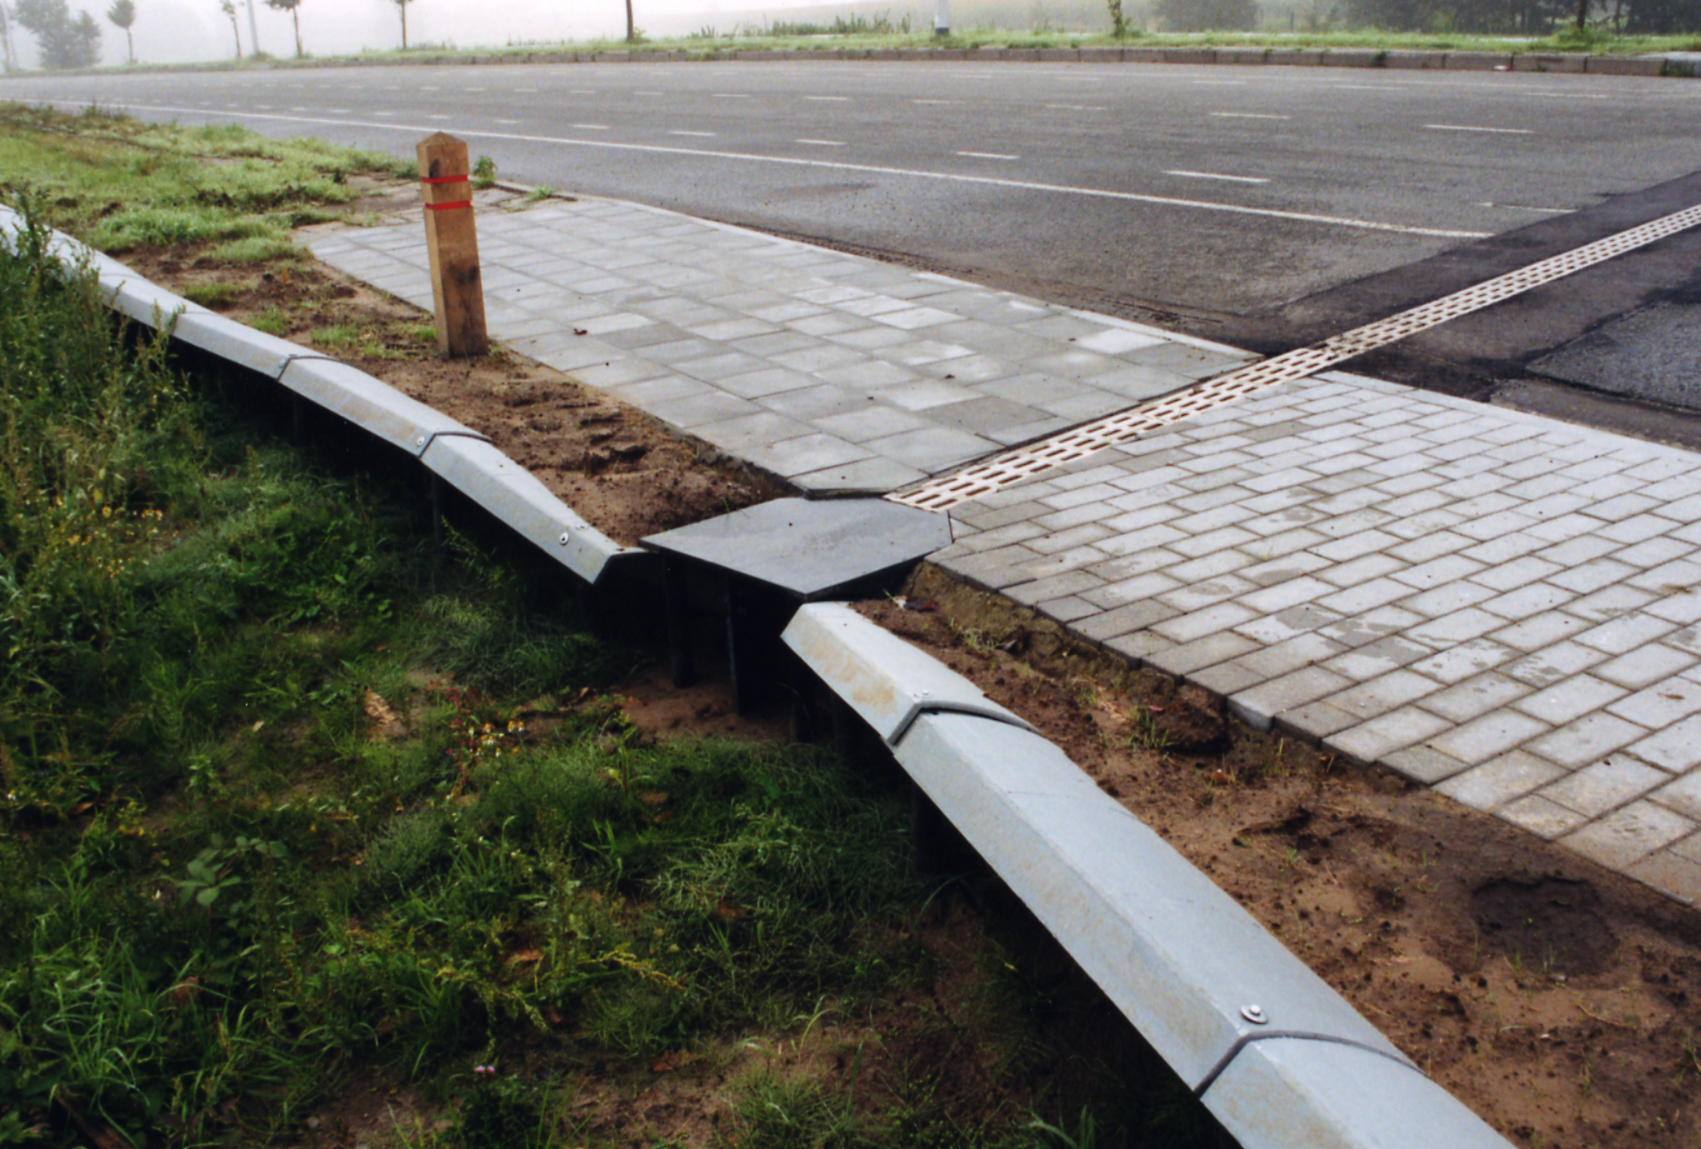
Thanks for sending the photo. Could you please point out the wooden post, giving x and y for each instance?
(457, 292)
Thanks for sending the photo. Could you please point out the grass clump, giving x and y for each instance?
(122, 184)
(285, 800)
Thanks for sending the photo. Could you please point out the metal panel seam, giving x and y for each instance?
(469, 434)
(1247, 1039)
(293, 359)
(948, 707)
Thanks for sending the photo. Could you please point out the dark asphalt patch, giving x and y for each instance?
(1624, 335)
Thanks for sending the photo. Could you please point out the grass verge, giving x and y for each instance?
(291, 808)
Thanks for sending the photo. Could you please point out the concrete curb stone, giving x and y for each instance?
(1543, 62)
(1478, 62)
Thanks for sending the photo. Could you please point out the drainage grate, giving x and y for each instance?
(1014, 466)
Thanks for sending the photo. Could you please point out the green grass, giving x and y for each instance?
(228, 898)
(120, 183)
(215, 295)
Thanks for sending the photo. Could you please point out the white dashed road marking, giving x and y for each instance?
(1527, 207)
(1249, 116)
(1472, 128)
(884, 170)
(591, 127)
(822, 143)
(988, 156)
(828, 99)
(1074, 108)
(682, 132)
(1215, 176)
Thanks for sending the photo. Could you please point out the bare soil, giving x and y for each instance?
(1556, 999)
(616, 466)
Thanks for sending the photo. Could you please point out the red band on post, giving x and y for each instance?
(444, 179)
(445, 206)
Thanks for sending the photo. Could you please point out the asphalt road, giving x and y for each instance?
(1224, 201)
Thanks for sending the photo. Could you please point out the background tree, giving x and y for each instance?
(123, 14)
(10, 56)
(293, 7)
(402, 7)
(1207, 15)
(63, 42)
(228, 7)
(631, 28)
(1118, 22)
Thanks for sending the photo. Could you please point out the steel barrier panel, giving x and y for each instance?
(514, 495)
(235, 343)
(1181, 959)
(1287, 1093)
(884, 679)
(136, 298)
(375, 407)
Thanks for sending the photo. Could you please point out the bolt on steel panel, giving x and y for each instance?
(1181, 959)
(515, 496)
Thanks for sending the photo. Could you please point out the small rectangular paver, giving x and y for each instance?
(1373, 741)
(1499, 781)
(1628, 835)
(1606, 785)
(1488, 736)
(1259, 705)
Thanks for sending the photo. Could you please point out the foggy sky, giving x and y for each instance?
(179, 31)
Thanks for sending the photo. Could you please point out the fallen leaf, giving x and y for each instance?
(668, 1062)
(652, 797)
(386, 723)
(519, 957)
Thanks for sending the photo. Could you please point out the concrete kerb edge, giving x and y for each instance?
(586, 551)
(1250, 55)
(1093, 889)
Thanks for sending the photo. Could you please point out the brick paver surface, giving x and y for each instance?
(829, 370)
(1497, 605)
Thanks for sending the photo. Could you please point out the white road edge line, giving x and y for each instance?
(1215, 176)
(874, 169)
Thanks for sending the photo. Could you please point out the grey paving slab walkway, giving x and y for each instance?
(1501, 606)
(832, 371)
(1498, 605)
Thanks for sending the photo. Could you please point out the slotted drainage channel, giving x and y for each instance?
(1014, 466)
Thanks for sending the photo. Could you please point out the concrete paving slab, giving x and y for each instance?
(809, 549)
(1491, 603)
(758, 317)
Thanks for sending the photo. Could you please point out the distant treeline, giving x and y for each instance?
(1523, 17)
(1490, 17)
